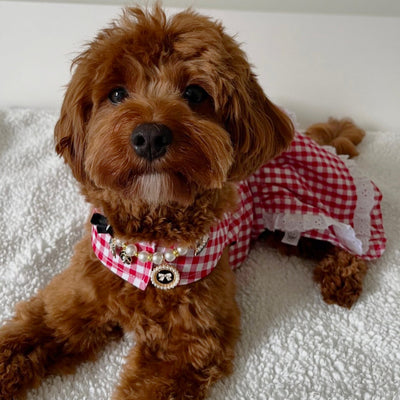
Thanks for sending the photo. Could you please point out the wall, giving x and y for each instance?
(315, 64)
(354, 7)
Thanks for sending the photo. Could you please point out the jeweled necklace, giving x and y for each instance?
(164, 275)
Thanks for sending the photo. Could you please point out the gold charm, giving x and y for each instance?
(165, 276)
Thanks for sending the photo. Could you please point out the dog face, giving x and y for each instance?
(164, 110)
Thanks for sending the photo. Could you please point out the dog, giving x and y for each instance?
(169, 134)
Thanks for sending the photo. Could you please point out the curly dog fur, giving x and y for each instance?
(186, 336)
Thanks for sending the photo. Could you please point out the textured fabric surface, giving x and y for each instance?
(293, 346)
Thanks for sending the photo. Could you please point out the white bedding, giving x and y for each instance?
(293, 345)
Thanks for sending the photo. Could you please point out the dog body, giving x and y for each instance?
(161, 123)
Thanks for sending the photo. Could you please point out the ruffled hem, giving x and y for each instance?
(300, 223)
(365, 203)
(356, 239)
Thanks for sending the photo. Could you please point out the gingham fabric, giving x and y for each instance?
(191, 268)
(307, 191)
(310, 191)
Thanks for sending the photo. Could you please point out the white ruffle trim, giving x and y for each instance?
(355, 240)
(365, 203)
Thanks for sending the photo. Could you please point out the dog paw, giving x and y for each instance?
(336, 290)
(18, 359)
(340, 276)
(14, 370)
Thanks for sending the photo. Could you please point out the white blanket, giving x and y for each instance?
(293, 345)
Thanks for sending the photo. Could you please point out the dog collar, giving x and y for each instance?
(166, 268)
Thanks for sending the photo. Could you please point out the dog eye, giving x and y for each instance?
(195, 94)
(117, 95)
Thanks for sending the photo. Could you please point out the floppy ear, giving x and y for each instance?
(259, 130)
(69, 132)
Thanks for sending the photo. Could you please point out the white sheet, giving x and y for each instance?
(293, 345)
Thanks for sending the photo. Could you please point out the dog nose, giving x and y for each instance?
(150, 140)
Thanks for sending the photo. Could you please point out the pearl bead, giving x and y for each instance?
(118, 242)
(143, 256)
(130, 250)
(181, 250)
(158, 258)
(169, 255)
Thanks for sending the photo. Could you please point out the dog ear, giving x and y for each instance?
(259, 129)
(69, 132)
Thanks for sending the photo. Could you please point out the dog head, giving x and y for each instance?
(163, 110)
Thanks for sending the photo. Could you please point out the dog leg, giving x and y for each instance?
(147, 377)
(180, 353)
(340, 276)
(51, 333)
(339, 273)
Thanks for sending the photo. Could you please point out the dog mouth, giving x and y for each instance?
(170, 178)
(165, 171)
(162, 187)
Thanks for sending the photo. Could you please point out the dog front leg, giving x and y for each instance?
(184, 348)
(148, 377)
(53, 332)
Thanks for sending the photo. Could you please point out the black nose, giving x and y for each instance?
(150, 140)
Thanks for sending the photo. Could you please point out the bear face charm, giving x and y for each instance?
(125, 258)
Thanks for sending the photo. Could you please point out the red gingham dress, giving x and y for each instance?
(307, 191)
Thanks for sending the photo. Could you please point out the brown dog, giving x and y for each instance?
(160, 122)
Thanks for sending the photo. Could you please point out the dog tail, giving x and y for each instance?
(341, 134)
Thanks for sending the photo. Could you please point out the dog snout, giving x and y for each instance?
(151, 140)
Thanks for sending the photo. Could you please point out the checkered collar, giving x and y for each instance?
(141, 263)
